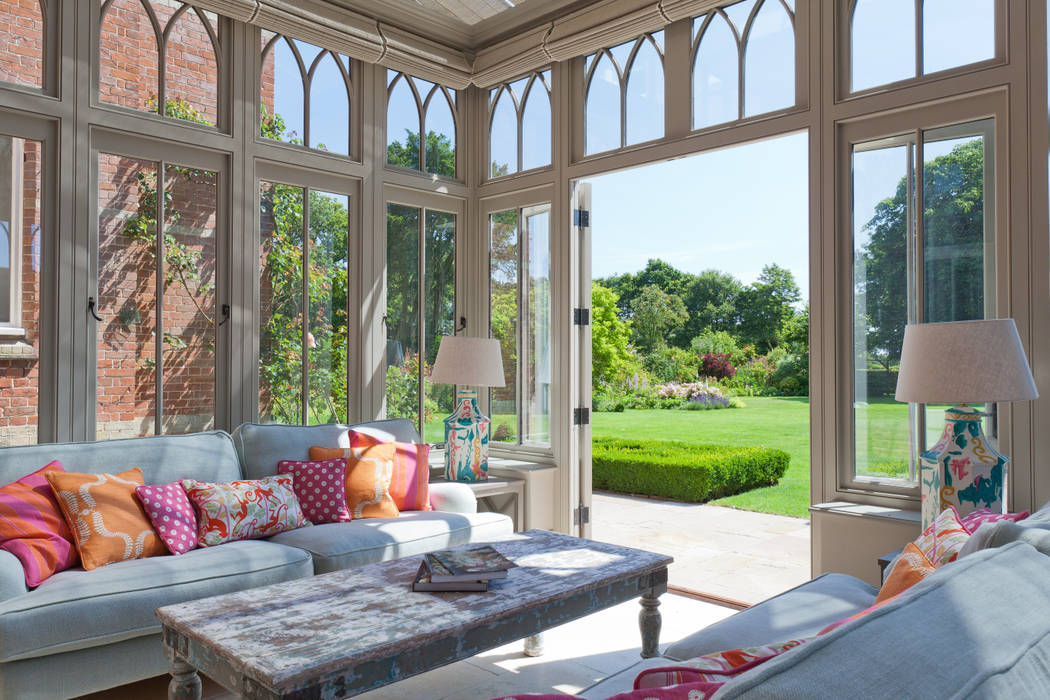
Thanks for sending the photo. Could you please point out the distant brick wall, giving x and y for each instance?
(21, 42)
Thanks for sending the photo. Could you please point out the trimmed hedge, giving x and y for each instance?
(683, 471)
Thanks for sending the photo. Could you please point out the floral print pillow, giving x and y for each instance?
(244, 510)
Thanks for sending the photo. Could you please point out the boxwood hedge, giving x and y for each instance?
(683, 471)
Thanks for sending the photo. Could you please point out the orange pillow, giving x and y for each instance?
(368, 474)
(105, 516)
(911, 567)
(410, 476)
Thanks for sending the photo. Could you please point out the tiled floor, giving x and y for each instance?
(731, 553)
(575, 656)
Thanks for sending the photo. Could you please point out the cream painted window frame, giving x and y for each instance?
(12, 329)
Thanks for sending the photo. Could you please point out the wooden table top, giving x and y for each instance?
(287, 636)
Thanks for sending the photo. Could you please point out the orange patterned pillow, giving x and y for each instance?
(911, 567)
(410, 476)
(368, 472)
(106, 517)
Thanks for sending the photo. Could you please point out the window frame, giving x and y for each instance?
(454, 100)
(493, 95)
(12, 329)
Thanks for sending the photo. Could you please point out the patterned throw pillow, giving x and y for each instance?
(171, 514)
(410, 476)
(972, 521)
(909, 568)
(33, 529)
(106, 518)
(942, 540)
(368, 482)
(320, 488)
(244, 510)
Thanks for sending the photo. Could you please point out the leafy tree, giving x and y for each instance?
(710, 298)
(609, 337)
(657, 315)
(656, 272)
(440, 153)
(765, 305)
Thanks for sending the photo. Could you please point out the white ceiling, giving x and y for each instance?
(469, 12)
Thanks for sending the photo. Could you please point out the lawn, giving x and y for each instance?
(782, 423)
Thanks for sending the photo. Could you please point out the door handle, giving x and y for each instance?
(91, 309)
(225, 315)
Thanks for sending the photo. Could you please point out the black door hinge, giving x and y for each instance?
(581, 416)
(581, 515)
(581, 317)
(581, 218)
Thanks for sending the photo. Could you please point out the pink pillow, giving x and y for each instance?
(974, 520)
(244, 510)
(33, 528)
(320, 488)
(410, 478)
(171, 515)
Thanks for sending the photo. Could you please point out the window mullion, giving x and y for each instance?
(521, 332)
(158, 315)
(421, 398)
(305, 308)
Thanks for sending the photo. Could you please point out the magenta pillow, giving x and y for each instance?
(972, 521)
(33, 528)
(171, 514)
(320, 488)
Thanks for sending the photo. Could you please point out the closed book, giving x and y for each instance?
(423, 583)
(470, 563)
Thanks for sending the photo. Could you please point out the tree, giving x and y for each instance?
(440, 153)
(657, 315)
(765, 305)
(609, 337)
(656, 272)
(710, 298)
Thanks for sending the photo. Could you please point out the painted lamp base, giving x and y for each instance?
(962, 470)
(467, 440)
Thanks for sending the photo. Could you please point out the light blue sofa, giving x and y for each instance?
(83, 631)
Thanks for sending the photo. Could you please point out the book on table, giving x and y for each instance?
(424, 583)
(478, 563)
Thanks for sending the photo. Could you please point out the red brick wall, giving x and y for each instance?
(21, 42)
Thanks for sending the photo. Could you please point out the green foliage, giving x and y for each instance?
(683, 471)
(671, 364)
(712, 341)
(711, 301)
(656, 316)
(765, 306)
(440, 155)
(610, 358)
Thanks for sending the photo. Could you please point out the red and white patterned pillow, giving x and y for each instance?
(171, 514)
(244, 510)
(972, 521)
(320, 488)
(941, 541)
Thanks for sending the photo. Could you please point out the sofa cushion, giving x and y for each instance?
(800, 612)
(996, 601)
(1003, 532)
(75, 609)
(207, 456)
(337, 546)
(622, 681)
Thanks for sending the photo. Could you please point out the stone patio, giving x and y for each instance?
(726, 552)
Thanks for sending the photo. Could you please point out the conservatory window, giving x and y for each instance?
(624, 102)
(414, 107)
(520, 125)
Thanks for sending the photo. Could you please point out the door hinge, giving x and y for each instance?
(581, 317)
(581, 416)
(581, 515)
(581, 218)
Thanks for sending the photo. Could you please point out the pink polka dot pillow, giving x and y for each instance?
(171, 514)
(320, 488)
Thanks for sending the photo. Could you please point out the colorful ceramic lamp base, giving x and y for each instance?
(963, 469)
(467, 440)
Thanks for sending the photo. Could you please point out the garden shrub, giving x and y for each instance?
(683, 471)
(671, 364)
(717, 366)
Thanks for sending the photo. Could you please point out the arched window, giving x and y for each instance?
(743, 61)
(895, 40)
(22, 42)
(625, 94)
(161, 57)
(304, 95)
(416, 106)
(520, 125)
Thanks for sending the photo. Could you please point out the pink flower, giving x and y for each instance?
(310, 341)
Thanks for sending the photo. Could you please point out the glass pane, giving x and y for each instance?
(127, 297)
(769, 61)
(439, 313)
(329, 108)
(282, 78)
(22, 46)
(503, 321)
(20, 233)
(883, 42)
(128, 57)
(326, 339)
(190, 71)
(536, 128)
(281, 303)
(603, 108)
(503, 137)
(441, 137)
(738, 14)
(536, 401)
(188, 324)
(402, 127)
(716, 71)
(402, 312)
(881, 233)
(645, 96)
(957, 32)
(958, 247)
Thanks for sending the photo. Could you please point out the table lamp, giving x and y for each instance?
(960, 363)
(467, 362)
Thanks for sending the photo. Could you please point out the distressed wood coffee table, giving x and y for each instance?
(340, 634)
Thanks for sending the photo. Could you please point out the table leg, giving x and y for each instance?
(534, 645)
(649, 621)
(185, 683)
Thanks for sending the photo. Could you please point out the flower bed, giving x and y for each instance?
(683, 471)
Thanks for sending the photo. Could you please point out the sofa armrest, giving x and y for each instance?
(12, 576)
(452, 497)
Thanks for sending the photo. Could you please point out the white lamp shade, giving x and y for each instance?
(964, 362)
(468, 362)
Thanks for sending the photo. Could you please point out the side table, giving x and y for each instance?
(497, 486)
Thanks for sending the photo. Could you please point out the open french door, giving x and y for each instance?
(581, 340)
